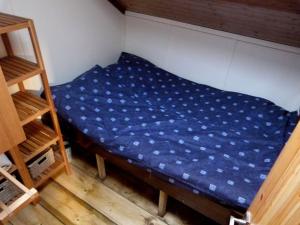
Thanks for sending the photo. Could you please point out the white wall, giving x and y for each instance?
(74, 34)
(77, 34)
(220, 59)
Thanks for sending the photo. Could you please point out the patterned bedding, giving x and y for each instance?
(217, 143)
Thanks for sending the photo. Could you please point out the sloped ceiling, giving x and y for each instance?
(271, 20)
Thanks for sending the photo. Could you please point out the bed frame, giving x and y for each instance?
(268, 207)
(276, 202)
(200, 203)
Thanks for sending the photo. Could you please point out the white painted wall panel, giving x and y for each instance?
(143, 39)
(219, 59)
(200, 57)
(265, 72)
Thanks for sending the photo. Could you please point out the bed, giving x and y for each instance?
(200, 139)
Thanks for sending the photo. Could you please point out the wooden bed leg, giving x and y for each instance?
(101, 167)
(37, 200)
(162, 205)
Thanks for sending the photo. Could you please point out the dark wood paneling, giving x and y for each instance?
(281, 5)
(271, 20)
(118, 5)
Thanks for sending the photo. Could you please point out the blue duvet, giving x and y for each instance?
(217, 143)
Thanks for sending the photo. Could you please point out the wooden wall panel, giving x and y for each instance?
(278, 200)
(271, 20)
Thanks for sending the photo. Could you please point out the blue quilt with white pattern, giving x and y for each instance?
(213, 142)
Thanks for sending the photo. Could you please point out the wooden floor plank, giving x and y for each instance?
(35, 215)
(68, 208)
(139, 192)
(106, 201)
(120, 197)
(120, 183)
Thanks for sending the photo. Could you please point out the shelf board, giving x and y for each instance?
(16, 69)
(51, 171)
(29, 106)
(10, 23)
(39, 137)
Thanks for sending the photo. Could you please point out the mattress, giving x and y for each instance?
(216, 143)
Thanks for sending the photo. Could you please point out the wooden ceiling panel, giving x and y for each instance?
(271, 20)
(281, 5)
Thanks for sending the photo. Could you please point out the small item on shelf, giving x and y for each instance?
(8, 191)
(5, 163)
(68, 150)
(39, 165)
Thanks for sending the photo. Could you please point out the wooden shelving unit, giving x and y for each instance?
(30, 107)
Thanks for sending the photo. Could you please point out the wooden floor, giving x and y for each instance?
(120, 199)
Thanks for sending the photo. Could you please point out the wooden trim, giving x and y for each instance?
(119, 5)
(278, 198)
(101, 167)
(35, 45)
(7, 44)
(162, 203)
